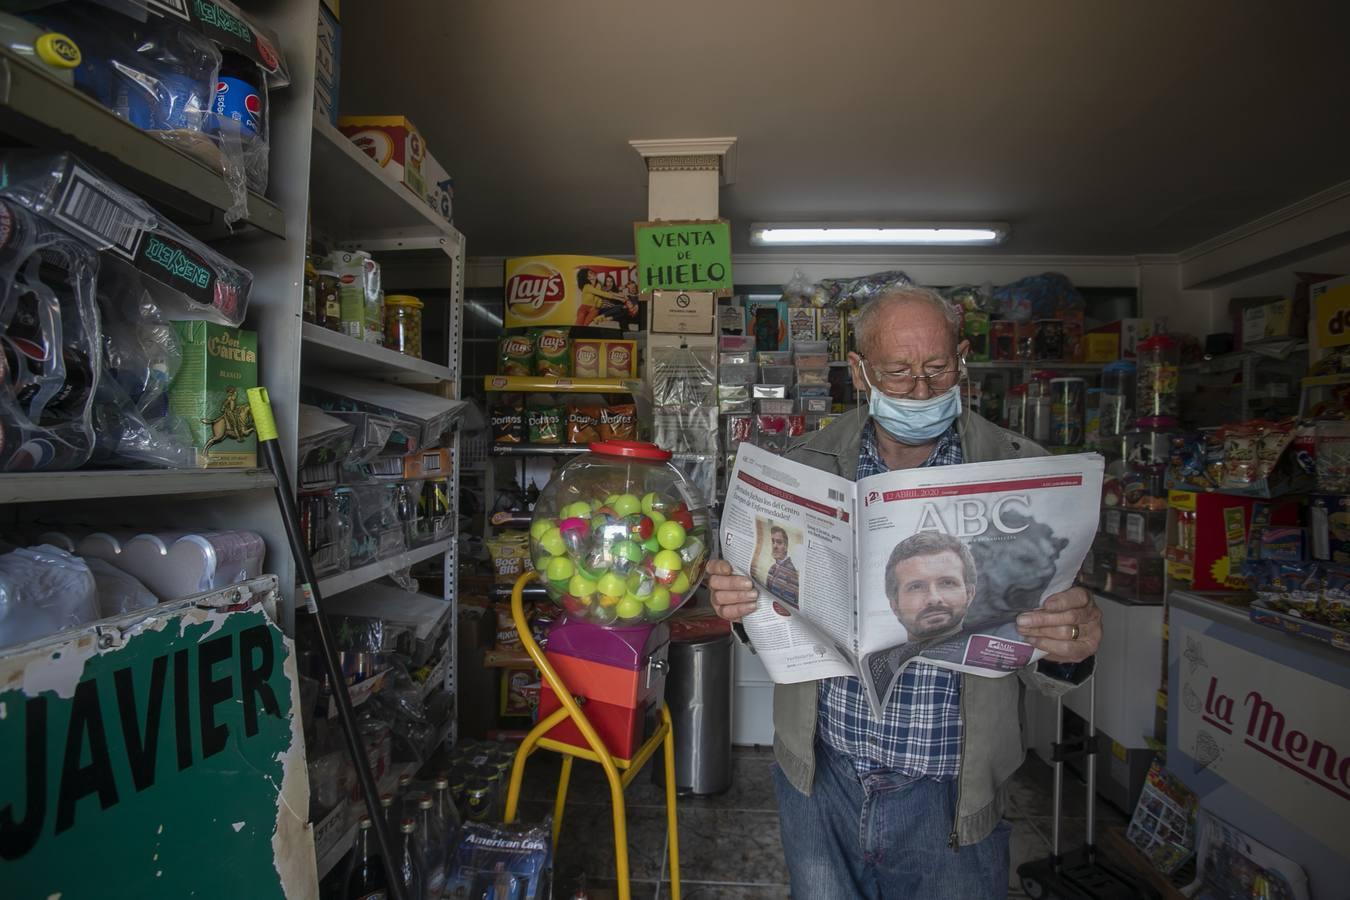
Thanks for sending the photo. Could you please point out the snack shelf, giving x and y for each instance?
(41, 111)
(552, 384)
(538, 449)
(327, 349)
(502, 592)
(345, 581)
(352, 197)
(38, 487)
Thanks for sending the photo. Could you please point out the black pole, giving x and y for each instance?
(266, 425)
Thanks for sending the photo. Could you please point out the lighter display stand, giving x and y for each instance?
(619, 772)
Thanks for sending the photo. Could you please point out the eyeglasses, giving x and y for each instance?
(903, 383)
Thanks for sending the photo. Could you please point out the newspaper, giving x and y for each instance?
(865, 577)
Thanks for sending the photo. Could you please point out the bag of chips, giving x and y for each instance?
(510, 554)
(515, 354)
(508, 424)
(553, 352)
(583, 424)
(618, 422)
(544, 424)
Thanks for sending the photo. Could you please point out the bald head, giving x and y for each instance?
(899, 306)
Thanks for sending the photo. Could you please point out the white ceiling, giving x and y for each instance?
(1092, 126)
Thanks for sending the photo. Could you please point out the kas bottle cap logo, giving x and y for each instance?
(533, 291)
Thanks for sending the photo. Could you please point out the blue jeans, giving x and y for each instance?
(883, 838)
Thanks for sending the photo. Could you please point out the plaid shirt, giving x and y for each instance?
(920, 732)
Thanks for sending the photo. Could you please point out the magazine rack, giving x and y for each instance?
(619, 772)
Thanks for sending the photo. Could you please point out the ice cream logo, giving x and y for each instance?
(532, 291)
(376, 144)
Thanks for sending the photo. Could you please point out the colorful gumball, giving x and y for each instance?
(539, 526)
(629, 608)
(666, 566)
(680, 585)
(552, 542)
(651, 501)
(692, 550)
(601, 614)
(684, 517)
(579, 510)
(657, 517)
(652, 545)
(581, 586)
(670, 535)
(576, 534)
(559, 568)
(627, 505)
(659, 601)
(641, 527)
(612, 586)
(641, 583)
(573, 605)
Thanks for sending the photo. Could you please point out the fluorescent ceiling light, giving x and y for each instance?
(893, 234)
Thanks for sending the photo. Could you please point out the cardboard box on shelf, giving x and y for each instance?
(394, 143)
(1269, 318)
(1130, 332)
(438, 188)
(572, 291)
(1330, 302)
(328, 62)
(210, 390)
(1101, 348)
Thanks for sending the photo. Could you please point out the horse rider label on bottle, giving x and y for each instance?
(209, 392)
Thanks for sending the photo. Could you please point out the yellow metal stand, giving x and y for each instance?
(619, 772)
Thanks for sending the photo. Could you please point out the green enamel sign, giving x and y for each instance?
(683, 256)
(170, 766)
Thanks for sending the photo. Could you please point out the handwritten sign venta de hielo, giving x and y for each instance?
(684, 256)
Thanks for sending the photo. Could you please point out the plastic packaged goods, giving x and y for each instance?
(403, 324)
(175, 565)
(185, 277)
(50, 341)
(421, 418)
(49, 50)
(239, 118)
(359, 291)
(118, 592)
(1156, 391)
(44, 590)
(506, 861)
(1067, 413)
(328, 299)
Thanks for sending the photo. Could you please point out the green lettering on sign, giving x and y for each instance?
(684, 256)
(154, 770)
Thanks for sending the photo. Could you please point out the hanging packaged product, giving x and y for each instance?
(587, 361)
(184, 276)
(515, 354)
(1159, 377)
(219, 366)
(564, 291)
(328, 299)
(49, 335)
(403, 324)
(553, 352)
(359, 294)
(1067, 418)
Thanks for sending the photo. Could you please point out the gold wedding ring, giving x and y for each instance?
(1073, 636)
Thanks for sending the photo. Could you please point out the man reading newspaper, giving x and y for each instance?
(909, 803)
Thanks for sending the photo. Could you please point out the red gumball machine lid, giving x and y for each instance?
(631, 450)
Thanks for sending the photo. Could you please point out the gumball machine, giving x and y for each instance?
(619, 543)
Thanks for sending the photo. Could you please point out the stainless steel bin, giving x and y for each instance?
(698, 691)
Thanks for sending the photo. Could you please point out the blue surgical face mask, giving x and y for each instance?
(912, 421)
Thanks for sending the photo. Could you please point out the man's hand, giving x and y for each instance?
(733, 596)
(1068, 627)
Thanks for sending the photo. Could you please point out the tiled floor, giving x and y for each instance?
(729, 845)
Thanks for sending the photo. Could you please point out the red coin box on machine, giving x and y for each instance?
(621, 675)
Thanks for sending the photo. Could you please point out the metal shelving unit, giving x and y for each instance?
(345, 581)
(538, 449)
(551, 384)
(45, 487)
(327, 349)
(39, 110)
